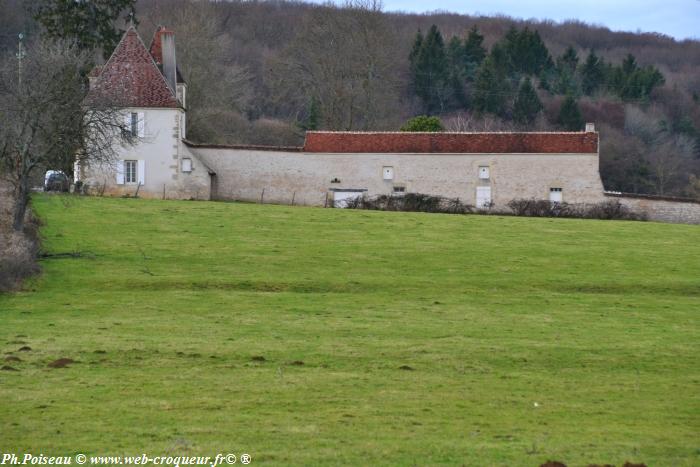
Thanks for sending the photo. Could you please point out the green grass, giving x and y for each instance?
(596, 322)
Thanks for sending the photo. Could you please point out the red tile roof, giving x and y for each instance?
(131, 77)
(451, 143)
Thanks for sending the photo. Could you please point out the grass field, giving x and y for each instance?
(387, 338)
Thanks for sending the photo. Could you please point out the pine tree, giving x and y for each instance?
(527, 104)
(430, 70)
(567, 64)
(89, 25)
(570, 115)
(491, 88)
(313, 119)
(592, 74)
(473, 47)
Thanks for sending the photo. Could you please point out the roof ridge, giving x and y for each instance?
(451, 132)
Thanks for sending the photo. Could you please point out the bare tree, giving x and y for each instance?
(47, 120)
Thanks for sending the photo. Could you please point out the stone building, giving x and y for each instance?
(481, 169)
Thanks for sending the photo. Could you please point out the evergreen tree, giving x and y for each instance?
(430, 70)
(567, 64)
(527, 104)
(88, 24)
(592, 74)
(473, 47)
(313, 118)
(459, 65)
(570, 115)
(526, 51)
(491, 87)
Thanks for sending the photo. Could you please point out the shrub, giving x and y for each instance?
(411, 202)
(423, 123)
(611, 209)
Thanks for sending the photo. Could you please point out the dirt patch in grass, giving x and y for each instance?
(25, 348)
(406, 368)
(8, 368)
(258, 358)
(61, 363)
(553, 464)
(296, 363)
(12, 358)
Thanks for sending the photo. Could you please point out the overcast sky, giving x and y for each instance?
(676, 18)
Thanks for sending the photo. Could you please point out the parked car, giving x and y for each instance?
(56, 180)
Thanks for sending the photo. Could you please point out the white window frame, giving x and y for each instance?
(135, 123)
(131, 176)
(388, 172)
(484, 172)
(186, 165)
(555, 193)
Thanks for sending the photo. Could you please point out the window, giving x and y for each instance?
(399, 189)
(130, 171)
(484, 172)
(388, 173)
(186, 165)
(555, 195)
(134, 124)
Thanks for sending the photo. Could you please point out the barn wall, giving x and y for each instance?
(243, 174)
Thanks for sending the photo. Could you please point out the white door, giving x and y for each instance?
(341, 198)
(483, 197)
(555, 195)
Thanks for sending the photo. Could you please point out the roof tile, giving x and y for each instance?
(132, 78)
(451, 143)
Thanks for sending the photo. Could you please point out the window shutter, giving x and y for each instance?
(120, 172)
(127, 122)
(141, 172)
(142, 124)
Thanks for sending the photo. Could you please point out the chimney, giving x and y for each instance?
(590, 128)
(167, 39)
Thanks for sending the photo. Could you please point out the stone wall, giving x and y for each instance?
(310, 178)
(661, 209)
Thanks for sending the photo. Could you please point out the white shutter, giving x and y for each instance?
(141, 172)
(142, 124)
(483, 196)
(120, 172)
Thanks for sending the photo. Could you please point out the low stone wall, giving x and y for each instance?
(661, 209)
(313, 178)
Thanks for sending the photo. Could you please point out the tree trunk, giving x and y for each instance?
(20, 207)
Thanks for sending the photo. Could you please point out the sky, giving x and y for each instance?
(676, 18)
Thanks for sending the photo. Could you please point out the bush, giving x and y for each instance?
(611, 209)
(411, 202)
(423, 123)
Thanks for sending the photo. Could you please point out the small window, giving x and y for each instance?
(186, 165)
(484, 172)
(130, 175)
(134, 127)
(399, 189)
(388, 173)
(555, 195)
